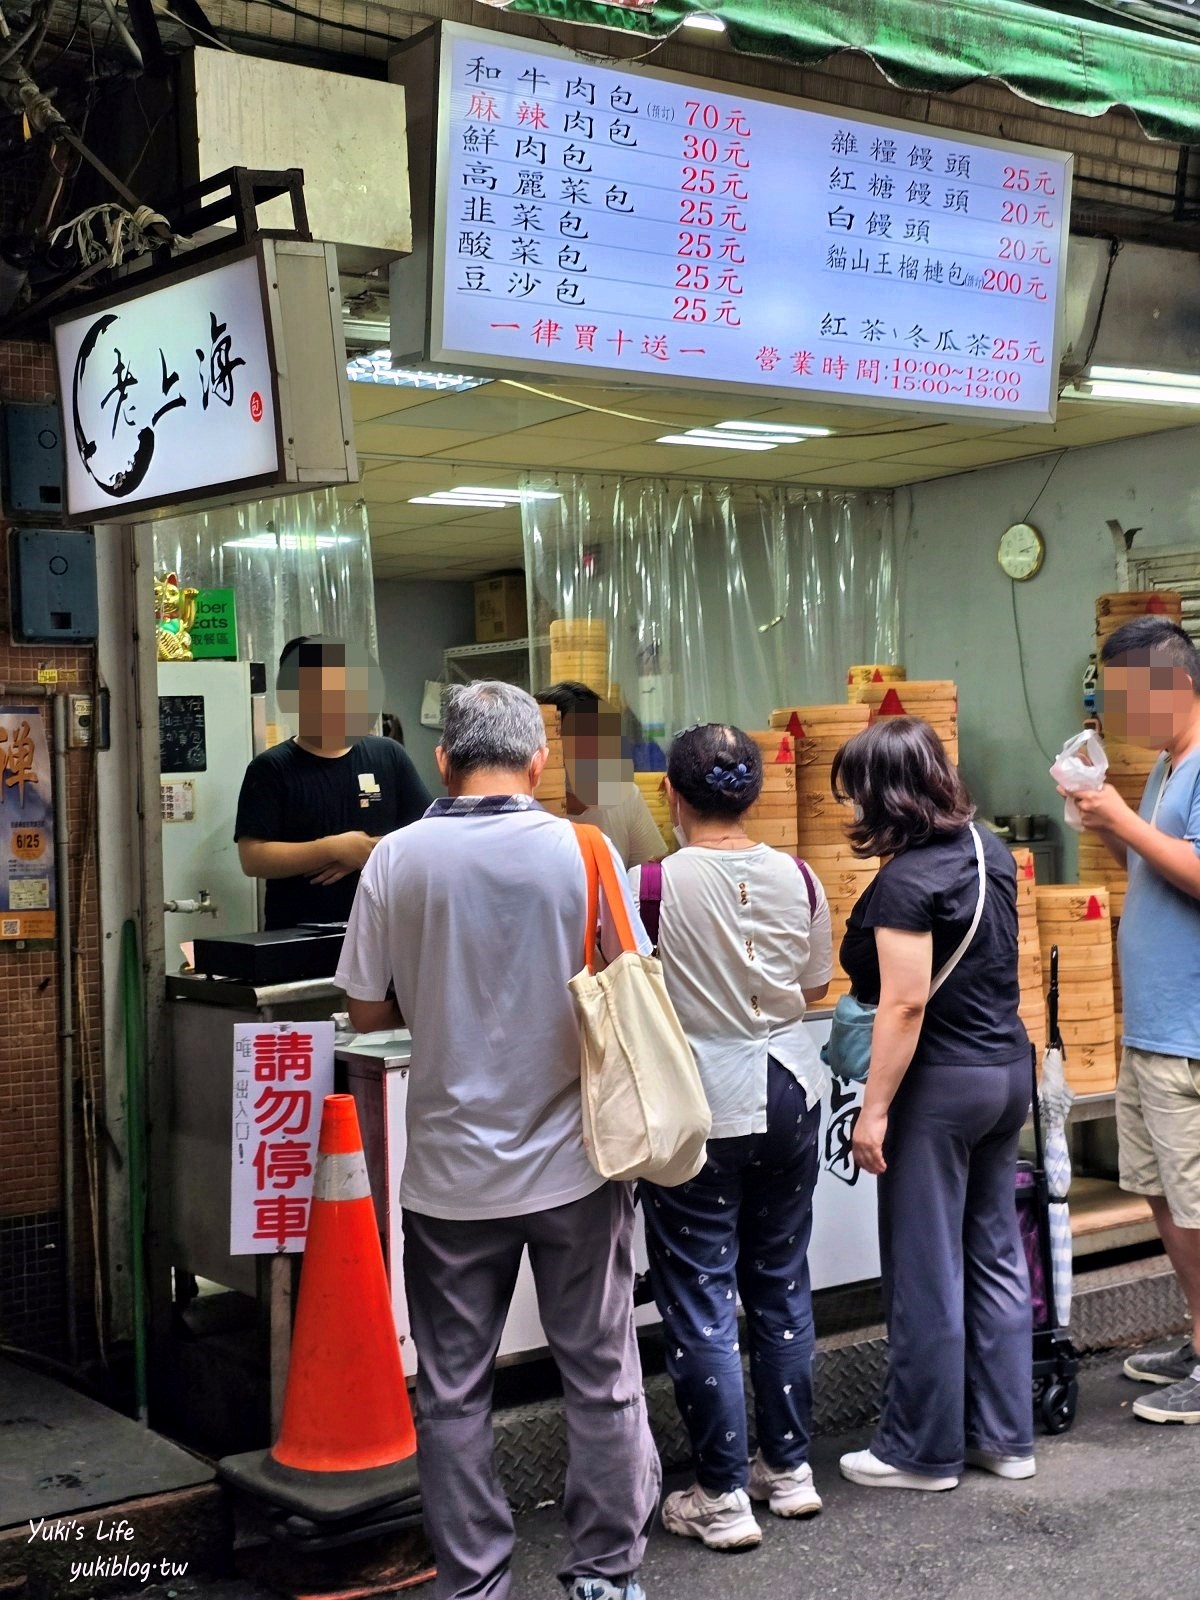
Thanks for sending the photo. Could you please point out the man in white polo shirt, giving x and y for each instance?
(475, 918)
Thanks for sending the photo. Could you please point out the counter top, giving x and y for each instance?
(376, 1049)
(235, 994)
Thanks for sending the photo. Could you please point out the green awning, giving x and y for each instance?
(1081, 56)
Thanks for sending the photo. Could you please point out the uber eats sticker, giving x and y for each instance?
(214, 631)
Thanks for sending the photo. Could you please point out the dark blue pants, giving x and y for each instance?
(742, 1225)
(955, 1283)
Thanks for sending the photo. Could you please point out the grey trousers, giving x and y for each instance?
(955, 1283)
(459, 1278)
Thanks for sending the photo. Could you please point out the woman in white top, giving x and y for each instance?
(745, 943)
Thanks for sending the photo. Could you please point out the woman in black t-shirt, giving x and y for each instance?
(948, 1092)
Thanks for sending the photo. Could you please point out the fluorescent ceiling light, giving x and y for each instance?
(515, 495)
(290, 541)
(717, 441)
(705, 23)
(375, 366)
(1135, 393)
(785, 430)
(475, 495)
(459, 500)
(1139, 375)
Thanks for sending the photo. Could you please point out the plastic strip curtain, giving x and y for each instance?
(720, 603)
(298, 564)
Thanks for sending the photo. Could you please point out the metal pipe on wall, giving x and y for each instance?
(66, 1013)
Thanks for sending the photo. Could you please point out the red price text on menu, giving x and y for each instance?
(624, 223)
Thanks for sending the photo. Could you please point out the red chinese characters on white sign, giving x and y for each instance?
(282, 1072)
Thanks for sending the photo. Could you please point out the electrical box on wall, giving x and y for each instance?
(53, 586)
(32, 464)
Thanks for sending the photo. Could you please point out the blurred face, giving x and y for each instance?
(334, 701)
(1147, 701)
(596, 770)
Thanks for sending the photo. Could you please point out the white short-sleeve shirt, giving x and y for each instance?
(738, 947)
(630, 826)
(478, 921)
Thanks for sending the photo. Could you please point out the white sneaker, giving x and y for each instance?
(722, 1522)
(1002, 1466)
(863, 1468)
(789, 1494)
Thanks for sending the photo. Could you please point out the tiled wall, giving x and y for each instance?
(32, 1304)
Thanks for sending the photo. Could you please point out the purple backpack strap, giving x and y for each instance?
(809, 885)
(650, 897)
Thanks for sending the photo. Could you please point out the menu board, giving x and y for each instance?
(637, 227)
(181, 733)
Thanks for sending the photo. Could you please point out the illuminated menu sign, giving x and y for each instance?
(634, 226)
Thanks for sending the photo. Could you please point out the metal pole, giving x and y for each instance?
(66, 1015)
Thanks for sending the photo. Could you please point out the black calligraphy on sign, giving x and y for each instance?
(114, 445)
(221, 363)
(839, 1134)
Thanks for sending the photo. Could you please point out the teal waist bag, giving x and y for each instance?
(847, 1051)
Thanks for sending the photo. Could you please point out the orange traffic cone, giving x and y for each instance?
(347, 1445)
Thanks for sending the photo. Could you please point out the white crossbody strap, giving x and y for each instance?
(975, 920)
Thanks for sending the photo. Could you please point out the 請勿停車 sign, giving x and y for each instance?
(282, 1072)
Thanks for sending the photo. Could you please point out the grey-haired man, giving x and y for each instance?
(475, 918)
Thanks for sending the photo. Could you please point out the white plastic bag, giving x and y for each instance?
(1082, 766)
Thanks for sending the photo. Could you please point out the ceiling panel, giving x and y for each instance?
(415, 442)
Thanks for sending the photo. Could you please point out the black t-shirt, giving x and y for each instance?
(291, 796)
(973, 1017)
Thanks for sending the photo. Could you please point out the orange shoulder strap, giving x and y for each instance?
(602, 878)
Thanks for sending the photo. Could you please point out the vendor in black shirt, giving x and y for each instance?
(311, 810)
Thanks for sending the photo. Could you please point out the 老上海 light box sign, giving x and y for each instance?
(636, 226)
(222, 382)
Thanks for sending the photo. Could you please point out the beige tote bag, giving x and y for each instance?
(645, 1114)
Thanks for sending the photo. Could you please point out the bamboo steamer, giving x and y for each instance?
(775, 745)
(1074, 906)
(863, 677)
(782, 835)
(779, 780)
(915, 691)
(827, 858)
(841, 721)
(1113, 610)
(579, 631)
(876, 672)
(773, 808)
(818, 750)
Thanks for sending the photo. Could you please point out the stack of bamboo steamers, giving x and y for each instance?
(552, 791)
(579, 654)
(1078, 920)
(653, 789)
(1129, 766)
(1029, 952)
(798, 813)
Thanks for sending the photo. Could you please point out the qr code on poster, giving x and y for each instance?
(10, 928)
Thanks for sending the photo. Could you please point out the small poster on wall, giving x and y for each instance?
(26, 826)
(282, 1072)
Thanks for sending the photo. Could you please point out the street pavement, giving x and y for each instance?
(1113, 1514)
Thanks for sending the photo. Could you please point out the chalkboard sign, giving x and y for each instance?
(181, 733)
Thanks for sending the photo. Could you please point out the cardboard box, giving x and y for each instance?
(500, 609)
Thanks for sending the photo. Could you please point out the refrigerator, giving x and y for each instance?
(212, 723)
